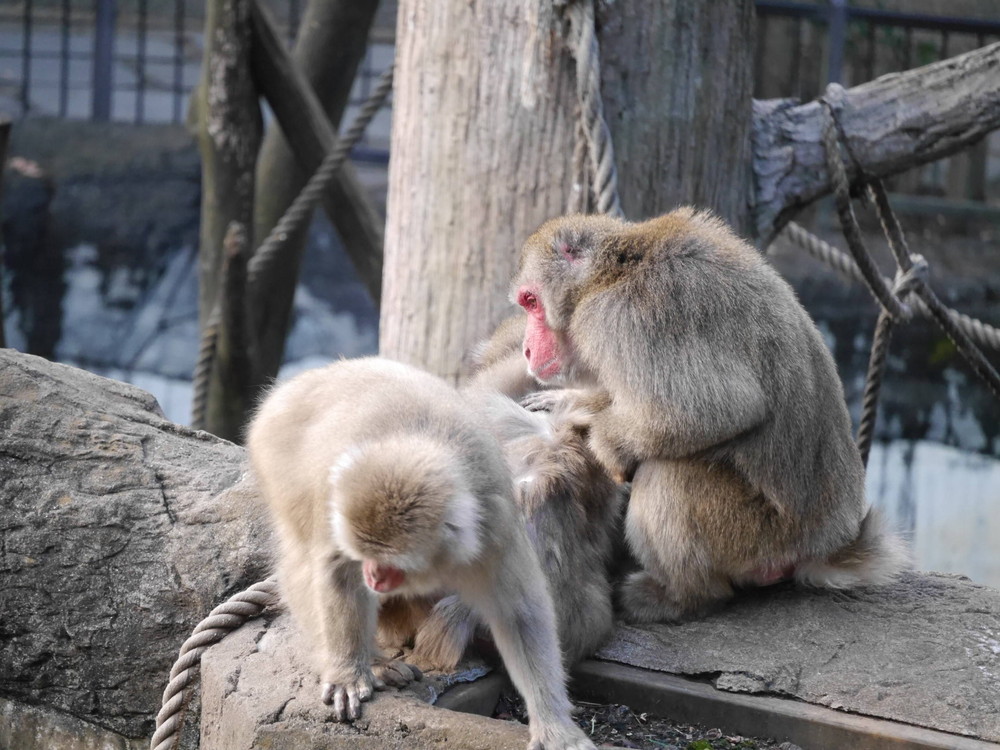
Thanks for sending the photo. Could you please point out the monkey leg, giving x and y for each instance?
(697, 527)
(680, 579)
(443, 637)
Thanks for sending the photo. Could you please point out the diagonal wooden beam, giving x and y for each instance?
(311, 137)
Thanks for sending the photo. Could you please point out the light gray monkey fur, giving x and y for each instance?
(710, 386)
(570, 507)
(377, 473)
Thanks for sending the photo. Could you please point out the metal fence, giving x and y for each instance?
(138, 60)
(121, 60)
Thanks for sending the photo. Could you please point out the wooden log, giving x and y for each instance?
(307, 128)
(891, 124)
(229, 133)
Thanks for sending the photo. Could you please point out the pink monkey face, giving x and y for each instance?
(382, 578)
(542, 348)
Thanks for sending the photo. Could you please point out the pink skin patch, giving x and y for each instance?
(768, 575)
(541, 347)
(382, 578)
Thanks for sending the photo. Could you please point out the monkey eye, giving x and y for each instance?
(527, 300)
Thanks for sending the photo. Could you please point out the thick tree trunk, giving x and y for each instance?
(229, 133)
(331, 43)
(484, 127)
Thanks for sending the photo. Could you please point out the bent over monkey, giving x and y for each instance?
(382, 481)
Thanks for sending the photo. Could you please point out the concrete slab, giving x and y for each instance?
(924, 651)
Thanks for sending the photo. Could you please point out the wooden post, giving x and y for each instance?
(484, 125)
(229, 134)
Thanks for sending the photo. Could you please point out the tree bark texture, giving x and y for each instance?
(229, 136)
(114, 541)
(888, 125)
(484, 127)
(331, 43)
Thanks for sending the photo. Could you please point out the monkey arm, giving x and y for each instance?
(443, 637)
(347, 631)
(698, 404)
(513, 600)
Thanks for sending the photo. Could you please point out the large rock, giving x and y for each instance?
(924, 651)
(115, 541)
(260, 690)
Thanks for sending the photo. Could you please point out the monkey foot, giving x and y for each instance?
(395, 673)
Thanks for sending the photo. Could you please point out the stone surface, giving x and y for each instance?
(114, 541)
(24, 727)
(925, 651)
(260, 691)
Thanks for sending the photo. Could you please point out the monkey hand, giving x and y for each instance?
(346, 696)
(616, 464)
(396, 673)
(559, 736)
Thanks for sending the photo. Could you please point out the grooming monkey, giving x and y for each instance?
(571, 509)
(710, 386)
(382, 482)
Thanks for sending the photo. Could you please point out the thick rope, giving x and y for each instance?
(848, 222)
(905, 284)
(588, 91)
(270, 249)
(981, 333)
(298, 212)
(225, 618)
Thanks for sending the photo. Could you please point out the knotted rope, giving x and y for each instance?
(222, 620)
(898, 301)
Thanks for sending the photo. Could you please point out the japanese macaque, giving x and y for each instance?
(571, 509)
(711, 388)
(383, 483)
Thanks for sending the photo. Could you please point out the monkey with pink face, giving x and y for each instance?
(711, 388)
(384, 483)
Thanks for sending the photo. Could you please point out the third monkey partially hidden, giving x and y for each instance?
(711, 387)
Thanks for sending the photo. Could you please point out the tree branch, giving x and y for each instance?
(889, 125)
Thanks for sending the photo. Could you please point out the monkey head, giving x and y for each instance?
(400, 510)
(558, 262)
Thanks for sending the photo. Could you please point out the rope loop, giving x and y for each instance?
(907, 281)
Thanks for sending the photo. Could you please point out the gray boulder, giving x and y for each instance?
(118, 533)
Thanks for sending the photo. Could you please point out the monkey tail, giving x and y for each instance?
(875, 557)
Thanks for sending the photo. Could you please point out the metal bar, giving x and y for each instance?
(26, 58)
(104, 44)
(796, 58)
(140, 62)
(872, 48)
(178, 88)
(64, 60)
(908, 51)
(837, 36)
(927, 21)
(944, 45)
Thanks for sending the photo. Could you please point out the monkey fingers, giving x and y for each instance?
(396, 673)
(347, 697)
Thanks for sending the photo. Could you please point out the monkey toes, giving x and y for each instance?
(396, 673)
(346, 697)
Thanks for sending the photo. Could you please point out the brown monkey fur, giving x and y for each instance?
(569, 505)
(383, 483)
(710, 385)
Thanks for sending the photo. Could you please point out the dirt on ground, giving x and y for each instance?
(613, 725)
